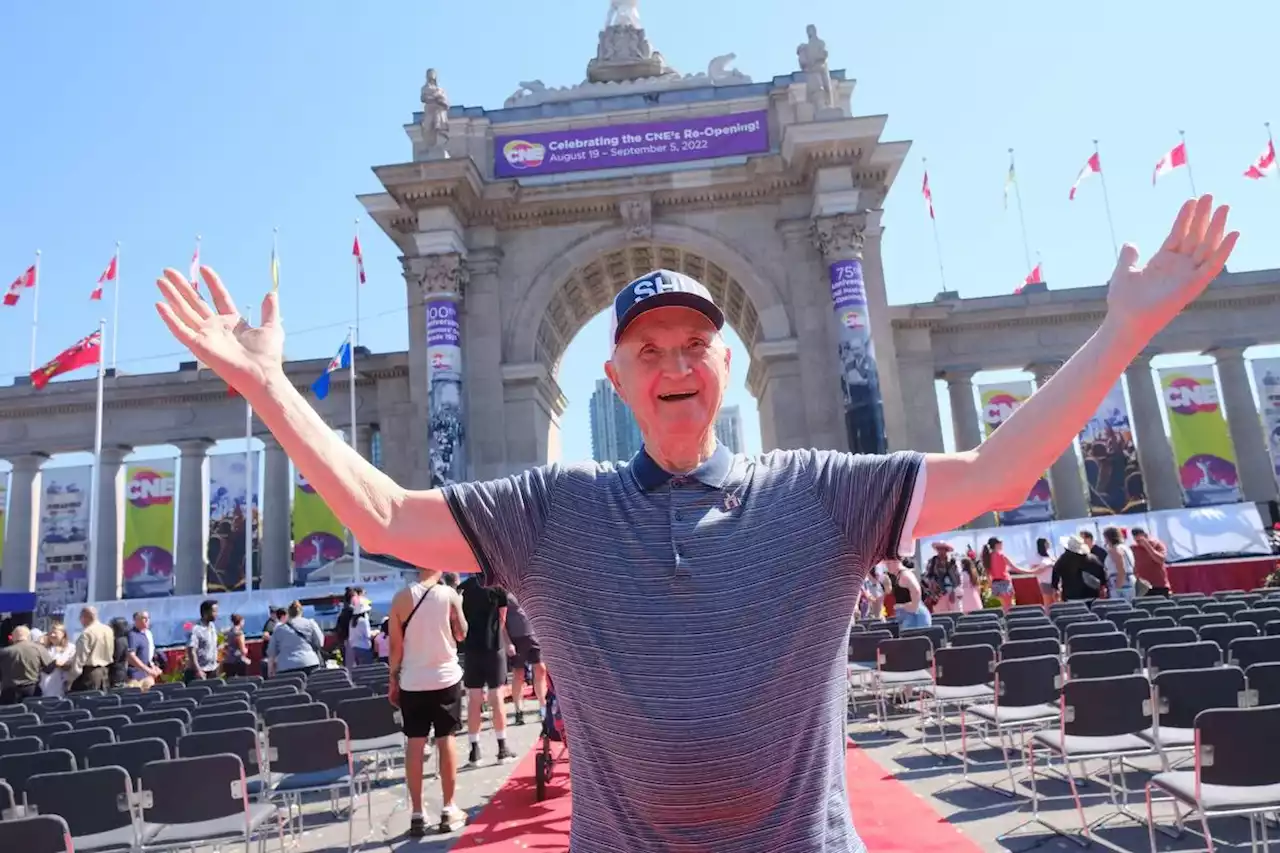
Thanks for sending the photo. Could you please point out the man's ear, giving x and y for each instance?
(611, 371)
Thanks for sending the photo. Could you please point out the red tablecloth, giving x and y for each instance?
(1207, 576)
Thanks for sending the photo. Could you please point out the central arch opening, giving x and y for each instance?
(573, 343)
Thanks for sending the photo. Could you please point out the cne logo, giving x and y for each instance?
(852, 320)
(1188, 396)
(999, 409)
(521, 154)
(149, 488)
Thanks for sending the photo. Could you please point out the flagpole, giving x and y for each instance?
(248, 487)
(95, 488)
(1275, 167)
(275, 259)
(1017, 194)
(1106, 201)
(1182, 134)
(356, 339)
(351, 378)
(115, 312)
(937, 242)
(35, 312)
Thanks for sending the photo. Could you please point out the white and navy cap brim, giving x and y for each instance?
(661, 289)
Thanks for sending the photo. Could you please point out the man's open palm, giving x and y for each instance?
(1196, 250)
(218, 336)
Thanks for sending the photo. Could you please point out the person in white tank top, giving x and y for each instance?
(426, 625)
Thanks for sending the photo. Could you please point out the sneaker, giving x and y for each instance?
(519, 719)
(474, 757)
(452, 818)
(417, 827)
(503, 752)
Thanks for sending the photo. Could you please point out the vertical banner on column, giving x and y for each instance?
(228, 508)
(149, 527)
(1266, 375)
(859, 374)
(1111, 459)
(1201, 441)
(999, 401)
(444, 375)
(4, 497)
(62, 561)
(318, 537)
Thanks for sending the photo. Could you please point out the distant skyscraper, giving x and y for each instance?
(729, 429)
(615, 435)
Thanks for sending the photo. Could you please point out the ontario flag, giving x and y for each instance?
(1032, 278)
(1265, 164)
(109, 275)
(1176, 158)
(23, 282)
(81, 354)
(1092, 167)
(359, 256)
(341, 361)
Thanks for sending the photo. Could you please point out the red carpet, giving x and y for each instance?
(513, 820)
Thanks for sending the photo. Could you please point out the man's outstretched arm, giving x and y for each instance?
(1140, 302)
(415, 526)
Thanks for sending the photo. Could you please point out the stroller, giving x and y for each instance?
(552, 732)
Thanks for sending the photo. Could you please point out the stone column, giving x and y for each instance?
(19, 571)
(277, 523)
(482, 358)
(964, 421)
(1065, 479)
(110, 504)
(440, 281)
(193, 517)
(840, 238)
(1155, 454)
(1253, 458)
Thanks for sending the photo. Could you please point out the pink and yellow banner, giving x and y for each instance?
(999, 400)
(1201, 441)
(318, 537)
(149, 526)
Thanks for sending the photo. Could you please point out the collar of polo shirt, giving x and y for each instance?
(715, 472)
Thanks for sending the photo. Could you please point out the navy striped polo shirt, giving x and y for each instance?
(696, 628)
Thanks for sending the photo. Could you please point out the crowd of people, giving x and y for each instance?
(1124, 565)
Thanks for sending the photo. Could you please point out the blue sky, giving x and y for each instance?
(150, 123)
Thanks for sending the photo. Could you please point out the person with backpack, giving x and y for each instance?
(942, 580)
(295, 643)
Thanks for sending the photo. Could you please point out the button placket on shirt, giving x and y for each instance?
(681, 494)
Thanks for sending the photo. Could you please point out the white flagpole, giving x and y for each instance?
(1017, 194)
(937, 241)
(35, 311)
(351, 379)
(358, 261)
(1106, 201)
(115, 312)
(1182, 135)
(1275, 167)
(95, 502)
(248, 487)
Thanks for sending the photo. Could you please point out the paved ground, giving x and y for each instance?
(982, 815)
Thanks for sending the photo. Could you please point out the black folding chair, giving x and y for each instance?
(1264, 684)
(166, 730)
(43, 730)
(1107, 664)
(964, 675)
(1034, 632)
(1080, 628)
(16, 769)
(1098, 642)
(1199, 620)
(1224, 634)
(233, 703)
(80, 741)
(903, 666)
(1025, 698)
(193, 802)
(75, 716)
(1134, 627)
(375, 730)
(1146, 640)
(90, 801)
(1201, 655)
(114, 722)
(1236, 770)
(316, 757)
(39, 834)
(20, 745)
(1247, 651)
(182, 715)
(332, 698)
(864, 651)
(262, 703)
(219, 722)
(132, 755)
(1259, 616)
(1179, 695)
(1032, 648)
(1226, 608)
(935, 634)
(242, 743)
(977, 638)
(294, 714)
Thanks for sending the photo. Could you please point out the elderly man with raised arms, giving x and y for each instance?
(651, 586)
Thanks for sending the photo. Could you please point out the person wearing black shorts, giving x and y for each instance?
(484, 662)
(525, 652)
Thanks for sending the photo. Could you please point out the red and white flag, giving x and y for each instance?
(109, 275)
(1265, 164)
(1176, 158)
(81, 354)
(22, 282)
(928, 194)
(359, 256)
(1092, 167)
(1032, 278)
(193, 275)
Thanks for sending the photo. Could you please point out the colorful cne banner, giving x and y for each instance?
(1266, 375)
(149, 528)
(1111, 467)
(224, 569)
(1201, 441)
(62, 561)
(999, 401)
(318, 537)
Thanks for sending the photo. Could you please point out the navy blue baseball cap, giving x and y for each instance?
(660, 289)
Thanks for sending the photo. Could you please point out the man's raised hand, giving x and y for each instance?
(241, 354)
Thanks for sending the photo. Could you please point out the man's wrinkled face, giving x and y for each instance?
(671, 368)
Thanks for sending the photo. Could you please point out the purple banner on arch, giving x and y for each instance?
(444, 392)
(626, 145)
(859, 373)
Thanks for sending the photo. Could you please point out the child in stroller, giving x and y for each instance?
(552, 732)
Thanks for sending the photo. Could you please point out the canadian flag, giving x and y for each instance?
(1174, 159)
(26, 280)
(928, 194)
(1265, 164)
(1033, 277)
(109, 275)
(359, 256)
(1092, 167)
(193, 275)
